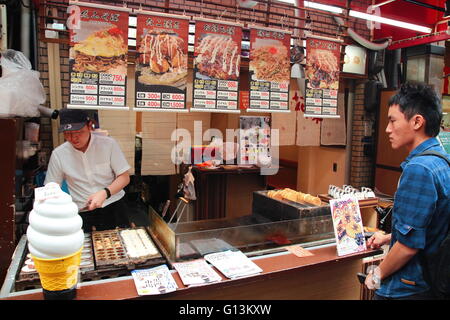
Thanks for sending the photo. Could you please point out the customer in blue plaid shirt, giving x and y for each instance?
(421, 214)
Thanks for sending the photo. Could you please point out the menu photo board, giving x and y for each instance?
(162, 61)
(269, 70)
(322, 77)
(217, 61)
(254, 139)
(98, 57)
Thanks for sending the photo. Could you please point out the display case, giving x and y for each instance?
(271, 225)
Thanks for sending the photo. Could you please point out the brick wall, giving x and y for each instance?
(361, 166)
(45, 130)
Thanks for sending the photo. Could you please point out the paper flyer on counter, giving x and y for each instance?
(162, 61)
(233, 264)
(196, 272)
(269, 70)
(322, 77)
(98, 57)
(348, 227)
(217, 61)
(157, 280)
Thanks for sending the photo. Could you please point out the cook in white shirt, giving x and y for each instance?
(93, 166)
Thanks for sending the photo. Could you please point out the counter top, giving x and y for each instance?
(273, 265)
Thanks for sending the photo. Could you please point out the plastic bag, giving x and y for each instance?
(21, 91)
(188, 186)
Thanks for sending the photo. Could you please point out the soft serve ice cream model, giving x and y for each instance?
(55, 241)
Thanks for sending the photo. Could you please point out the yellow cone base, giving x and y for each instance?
(58, 274)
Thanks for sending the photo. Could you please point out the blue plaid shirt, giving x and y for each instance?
(421, 216)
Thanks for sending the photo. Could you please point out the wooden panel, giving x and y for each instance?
(315, 169)
(325, 282)
(385, 154)
(240, 193)
(386, 181)
(369, 217)
(7, 193)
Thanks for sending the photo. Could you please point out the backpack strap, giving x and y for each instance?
(434, 153)
(421, 255)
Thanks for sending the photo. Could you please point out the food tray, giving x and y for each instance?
(143, 243)
(32, 274)
(87, 254)
(279, 210)
(108, 249)
(86, 263)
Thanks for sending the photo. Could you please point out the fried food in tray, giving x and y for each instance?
(162, 59)
(100, 52)
(108, 249)
(218, 57)
(270, 63)
(294, 196)
(138, 245)
(323, 69)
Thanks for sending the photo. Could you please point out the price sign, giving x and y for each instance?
(269, 51)
(163, 79)
(98, 60)
(217, 58)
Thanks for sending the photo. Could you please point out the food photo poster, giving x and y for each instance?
(98, 53)
(162, 62)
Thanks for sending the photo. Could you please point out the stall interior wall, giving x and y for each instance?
(54, 68)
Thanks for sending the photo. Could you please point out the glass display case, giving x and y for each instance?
(271, 225)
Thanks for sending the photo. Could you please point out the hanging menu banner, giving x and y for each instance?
(269, 70)
(322, 77)
(162, 61)
(217, 60)
(98, 56)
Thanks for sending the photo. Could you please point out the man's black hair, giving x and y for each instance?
(419, 98)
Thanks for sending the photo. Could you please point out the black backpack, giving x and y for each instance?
(437, 266)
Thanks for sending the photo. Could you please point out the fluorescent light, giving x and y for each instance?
(322, 7)
(369, 17)
(396, 23)
(288, 1)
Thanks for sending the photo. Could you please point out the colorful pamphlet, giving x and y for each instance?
(196, 272)
(348, 227)
(233, 264)
(157, 280)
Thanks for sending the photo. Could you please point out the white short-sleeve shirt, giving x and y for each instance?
(88, 172)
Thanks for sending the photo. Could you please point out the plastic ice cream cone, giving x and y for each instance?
(59, 275)
(55, 240)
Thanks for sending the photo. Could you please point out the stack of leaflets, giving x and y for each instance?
(233, 264)
(196, 272)
(157, 280)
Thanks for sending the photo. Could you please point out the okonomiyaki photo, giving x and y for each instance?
(162, 59)
(218, 57)
(322, 69)
(101, 51)
(270, 62)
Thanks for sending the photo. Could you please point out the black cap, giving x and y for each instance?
(72, 119)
